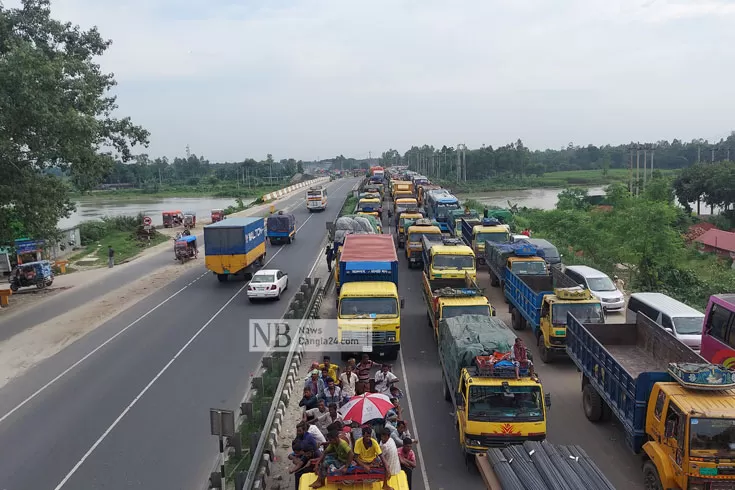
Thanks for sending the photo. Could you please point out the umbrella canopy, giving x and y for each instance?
(364, 408)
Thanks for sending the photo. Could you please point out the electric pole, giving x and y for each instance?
(637, 169)
(645, 170)
(188, 152)
(630, 170)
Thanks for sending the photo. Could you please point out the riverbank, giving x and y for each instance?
(220, 191)
(572, 178)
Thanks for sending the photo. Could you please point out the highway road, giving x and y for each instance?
(430, 417)
(127, 405)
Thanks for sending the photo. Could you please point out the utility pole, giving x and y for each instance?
(637, 169)
(459, 165)
(713, 156)
(653, 150)
(630, 170)
(645, 170)
(699, 154)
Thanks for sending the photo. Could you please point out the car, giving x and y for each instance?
(599, 284)
(267, 284)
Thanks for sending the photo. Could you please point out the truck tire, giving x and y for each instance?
(447, 394)
(222, 277)
(494, 280)
(651, 480)
(519, 323)
(592, 404)
(546, 356)
(273, 241)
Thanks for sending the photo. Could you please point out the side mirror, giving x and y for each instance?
(403, 302)
(582, 286)
(670, 330)
(547, 400)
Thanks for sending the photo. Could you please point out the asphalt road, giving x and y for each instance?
(127, 405)
(120, 276)
(432, 419)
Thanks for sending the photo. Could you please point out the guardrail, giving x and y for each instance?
(282, 192)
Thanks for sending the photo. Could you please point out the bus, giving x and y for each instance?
(718, 336)
(316, 198)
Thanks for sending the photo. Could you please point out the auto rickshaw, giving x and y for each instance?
(172, 219)
(190, 219)
(218, 215)
(185, 248)
(30, 274)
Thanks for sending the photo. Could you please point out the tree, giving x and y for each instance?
(572, 198)
(55, 113)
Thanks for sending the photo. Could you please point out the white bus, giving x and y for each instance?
(316, 198)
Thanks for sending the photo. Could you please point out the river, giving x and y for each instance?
(91, 209)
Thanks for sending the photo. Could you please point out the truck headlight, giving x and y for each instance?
(472, 442)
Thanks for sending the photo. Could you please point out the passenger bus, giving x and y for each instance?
(718, 336)
(316, 198)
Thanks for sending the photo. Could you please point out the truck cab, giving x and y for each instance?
(371, 206)
(476, 232)
(454, 220)
(519, 258)
(446, 302)
(450, 259)
(414, 240)
(402, 218)
(404, 203)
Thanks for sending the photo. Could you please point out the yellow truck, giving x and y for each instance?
(493, 406)
(448, 260)
(402, 204)
(414, 240)
(520, 258)
(445, 302)
(400, 185)
(676, 410)
(475, 232)
(371, 206)
(402, 219)
(235, 246)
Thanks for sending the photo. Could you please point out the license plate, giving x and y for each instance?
(367, 348)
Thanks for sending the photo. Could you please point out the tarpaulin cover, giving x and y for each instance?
(354, 225)
(464, 337)
(281, 223)
(497, 253)
(369, 248)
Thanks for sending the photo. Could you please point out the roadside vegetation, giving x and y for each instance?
(641, 239)
(222, 189)
(124, 234)
(349, 206)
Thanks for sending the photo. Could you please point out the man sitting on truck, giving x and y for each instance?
(337, 454)
(520, 356)
(370, 456)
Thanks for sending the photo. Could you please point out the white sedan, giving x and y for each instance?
(267, 283)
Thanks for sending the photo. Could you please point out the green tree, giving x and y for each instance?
(55, 113)
(572, 198)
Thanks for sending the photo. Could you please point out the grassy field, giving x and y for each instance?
(570, 178)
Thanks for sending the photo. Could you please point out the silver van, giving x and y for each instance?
(546, 249)
(599, 284)
(684, 322)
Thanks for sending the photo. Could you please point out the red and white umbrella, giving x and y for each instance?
(363, 408)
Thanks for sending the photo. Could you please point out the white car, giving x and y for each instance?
(267, 283)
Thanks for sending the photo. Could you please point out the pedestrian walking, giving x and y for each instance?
(620, 284)
(329, 252)
(110, 256)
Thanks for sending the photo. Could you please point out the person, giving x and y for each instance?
(329, 252)
(619, 283)
(319, 411)
(408, 459)
(332, 416)
(186, 231)
(332, 369)
(396, 392)
(403, 432)
(390, 456)
(348, 381)
(520, 356)
(309, 400)
(110, 256)
(332, 394)
(363, 373)
(308, 450)
(388, 425)
(315, 383)
(370, 455)
(394, 413)
(337, 456)
(526, 232)
(384, 379)
(314, 365)
(315, 431)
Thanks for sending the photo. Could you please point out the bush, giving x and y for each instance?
(94, 231)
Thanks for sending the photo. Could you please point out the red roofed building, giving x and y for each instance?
(718, 241)
(697, 230)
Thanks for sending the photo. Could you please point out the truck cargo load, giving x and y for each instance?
(353, 225)
(368, 258)
(525, 261)
(234, 245)
(449, 302)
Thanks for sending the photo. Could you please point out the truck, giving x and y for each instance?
(454, 217)
(368, 306)
(401, 219)
(448, 260)
(536, 301)
(281, 228)
(521, 258)
(439, 203)
(493, 407)
(676, 410)
(421, 191)
(414, 239)
(450, 302)
(235, 246)
(475, 232)
(371, 206)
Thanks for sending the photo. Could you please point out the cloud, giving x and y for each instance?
(308, 78)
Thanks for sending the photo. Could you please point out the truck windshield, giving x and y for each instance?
(415, 237)
(494, 403)
(403, 208)
(584, 312)
(713, 438)
(534, 268)
(442, 209)
(492, 237)
(453, 262)
(453, 311)
(368, 206)
(380, 307)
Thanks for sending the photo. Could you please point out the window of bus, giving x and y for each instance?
(719, 325)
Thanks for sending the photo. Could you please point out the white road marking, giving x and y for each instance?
(160, 373)
(417, 447)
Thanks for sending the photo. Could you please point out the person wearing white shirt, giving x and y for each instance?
(390, 454)
(384, 379)
(348, 382)
(314, 431)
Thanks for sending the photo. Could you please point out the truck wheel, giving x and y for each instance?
(222, 277)
(447, 395)
(494, 280)
(592, 404)
(517, 320)
(546, 356)
(273, 241)
(651, 480)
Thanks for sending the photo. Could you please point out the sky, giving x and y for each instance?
(310, 79)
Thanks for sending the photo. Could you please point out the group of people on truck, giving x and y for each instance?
(327, 444)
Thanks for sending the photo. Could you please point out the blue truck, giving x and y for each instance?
(235, 246)
(281, 228)
(439, 202)
(542, 302)
(672, 405)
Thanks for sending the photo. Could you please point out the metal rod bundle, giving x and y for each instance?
(596, 478)
(564, 466)
(523, 467)
(551, 475)
(501, 467)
